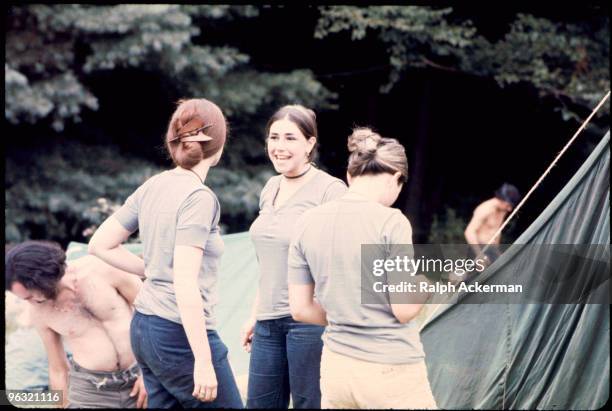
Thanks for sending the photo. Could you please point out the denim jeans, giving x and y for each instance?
(285, 359)
(166, 360)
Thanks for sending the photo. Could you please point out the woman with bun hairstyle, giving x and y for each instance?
(285, 354)
(372, 355)
(183, 360)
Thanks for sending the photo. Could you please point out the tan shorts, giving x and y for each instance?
(347, 382)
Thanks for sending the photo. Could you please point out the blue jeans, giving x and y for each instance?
(285, 359)
(165, 358)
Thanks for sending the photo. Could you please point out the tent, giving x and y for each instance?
(532, 356)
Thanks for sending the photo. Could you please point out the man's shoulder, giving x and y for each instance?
(37, 316)
(486, 207)
(82, 263)
(91, 269)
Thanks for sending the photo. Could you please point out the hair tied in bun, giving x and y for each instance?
(369, 142)
(363, 141)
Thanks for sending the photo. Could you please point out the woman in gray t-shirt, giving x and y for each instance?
(372, 355)
(183, 360)
(285, 354)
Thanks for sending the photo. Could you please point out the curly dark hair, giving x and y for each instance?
(38, 265)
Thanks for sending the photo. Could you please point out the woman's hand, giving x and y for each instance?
(246, 333)
(204, 381)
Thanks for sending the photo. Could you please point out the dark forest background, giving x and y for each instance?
(478, 96)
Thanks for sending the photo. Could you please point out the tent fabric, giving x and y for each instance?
(531, 356)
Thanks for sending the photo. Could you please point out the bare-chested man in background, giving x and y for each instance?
(89, 304)
(488, 217)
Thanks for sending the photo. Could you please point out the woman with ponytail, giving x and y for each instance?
(372, 355)
(183, 360)
(285, 354)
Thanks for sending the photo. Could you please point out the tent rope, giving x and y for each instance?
(537, 183)
(499, 230)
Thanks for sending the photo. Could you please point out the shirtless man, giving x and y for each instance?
(487, 219)
(89, 304)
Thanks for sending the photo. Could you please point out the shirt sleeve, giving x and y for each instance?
(398, 230)
(334, 190)
(298, 269)
(195, 219)
(127, 215)
(398, 239)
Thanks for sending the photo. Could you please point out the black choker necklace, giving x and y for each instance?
(299, 175)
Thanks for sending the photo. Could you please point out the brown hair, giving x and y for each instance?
(195, 117)
(304, 118)
(373, 154)
(38, 265)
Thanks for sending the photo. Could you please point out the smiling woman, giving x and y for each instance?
(292, 139)
(285, 354)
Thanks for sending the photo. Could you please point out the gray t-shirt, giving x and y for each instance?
(271, 234)
(326, 249)
(174, 208)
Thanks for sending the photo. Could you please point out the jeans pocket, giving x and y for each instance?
(168, 342)
(262, 328)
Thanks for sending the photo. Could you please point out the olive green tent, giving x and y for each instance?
(532, 356)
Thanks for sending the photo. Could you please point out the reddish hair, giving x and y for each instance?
(203, 113)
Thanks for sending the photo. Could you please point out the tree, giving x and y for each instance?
(52, 52)
(569, 62)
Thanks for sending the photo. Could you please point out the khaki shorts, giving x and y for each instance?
(347, 382)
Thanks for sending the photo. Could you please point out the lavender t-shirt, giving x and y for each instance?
(271, 233)
(174, 208)
(326, 250)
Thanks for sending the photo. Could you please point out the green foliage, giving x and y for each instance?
(567, 61)
(247, 91)
(412, 34)
(60, 194)
(447, 228)
(570, 62)
(238, 193)
(51, 49)
(50, 192)
(98, 213)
